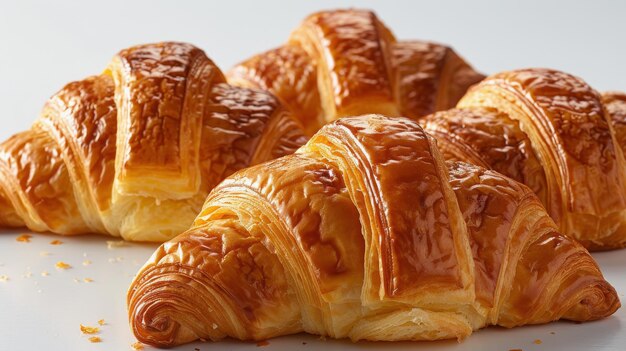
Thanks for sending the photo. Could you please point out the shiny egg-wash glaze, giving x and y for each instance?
(134, 152)
(365, 233)
(554, 133)
(346, 63)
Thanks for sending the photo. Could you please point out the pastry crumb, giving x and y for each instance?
(101, 322)
(56, 242)
(112, 260)
(262, 343)
(4, 278)
(89, 330)
(137, 346)
(62, 265)
(45, 274)
(95, 339)
(28, 274)
(115, 244)
(537, 342)
(24, 238)
(76, 280)
(86, 262)
(44, 253)
(89, 280)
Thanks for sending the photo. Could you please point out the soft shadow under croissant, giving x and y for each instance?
(365, 233)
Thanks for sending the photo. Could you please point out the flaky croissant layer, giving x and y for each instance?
(554, 133)
(347, 62)
(365, 233)
(134, 152)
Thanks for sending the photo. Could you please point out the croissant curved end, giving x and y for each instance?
(160, 317)
(599, 301)
(162, 312)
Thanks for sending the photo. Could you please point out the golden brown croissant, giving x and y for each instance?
(134, 152)
(365, 233)
(346, 62)
(554, 133)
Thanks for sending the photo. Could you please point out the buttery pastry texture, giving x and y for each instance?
(365, 233)
(554, 133)
(134, 151)
(346, 63)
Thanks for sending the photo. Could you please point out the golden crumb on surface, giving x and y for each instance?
(137, 346)
(86, 262)
(45, 274)
(24, 238)
(537, 342)
(88, 280)
(4, 278)
(101, 322)
(89, 330)
(62, 265)
(95, 339)
(56, 242)
(113, 244)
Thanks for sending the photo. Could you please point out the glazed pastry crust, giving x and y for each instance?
(346, 62)
(553, 132)
(134, 152)
(365, 233)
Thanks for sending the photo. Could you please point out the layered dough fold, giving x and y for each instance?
(554, 133)
(346, 62)
(366, 233)
(134, 152)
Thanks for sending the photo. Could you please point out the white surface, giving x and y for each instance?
(44, 45)
(45, 313)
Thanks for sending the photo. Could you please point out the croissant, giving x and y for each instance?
(134, 151)
(365, 233)
(554, 133)
(346, 62)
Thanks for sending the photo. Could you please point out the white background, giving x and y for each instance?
(44, 45)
